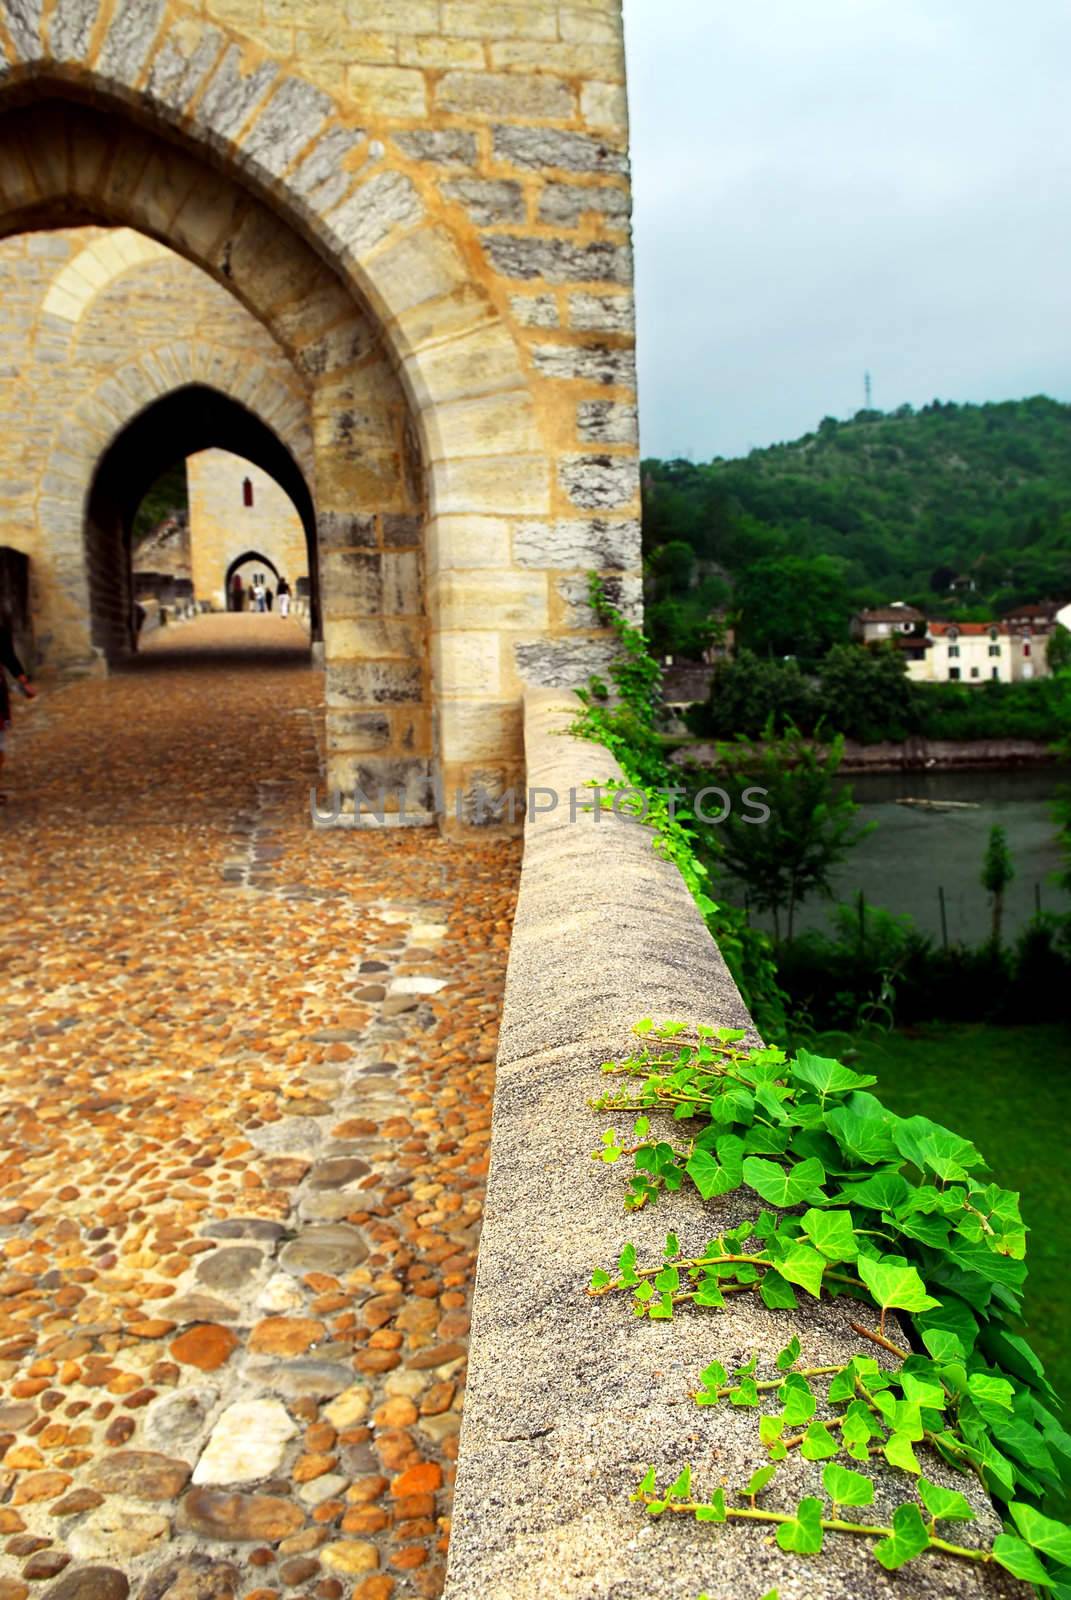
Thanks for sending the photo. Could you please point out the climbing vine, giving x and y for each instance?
(896, 1213)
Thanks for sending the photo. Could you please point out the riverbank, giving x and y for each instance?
(909, 755)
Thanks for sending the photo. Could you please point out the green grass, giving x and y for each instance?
(1008, 1090)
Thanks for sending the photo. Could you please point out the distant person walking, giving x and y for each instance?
(9, 663)
(268, 598)
(237, 593)
(258, 592)
(283, 592)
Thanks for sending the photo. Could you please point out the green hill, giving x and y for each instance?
(885, 506)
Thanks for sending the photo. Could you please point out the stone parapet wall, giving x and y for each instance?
(570, 1399)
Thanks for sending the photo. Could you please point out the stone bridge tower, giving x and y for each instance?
(425, 204)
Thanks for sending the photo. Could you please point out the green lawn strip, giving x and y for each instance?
(1008, 1090)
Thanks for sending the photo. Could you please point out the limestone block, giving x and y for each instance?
(568, 60)
(563, 663)
(558, 260)
(358, 731)
(182, 62)
(127, 42)
(402, 583)
(70, 27)
(487, 200)
(445, 147)
(368, 215)
(292, 118)
(515, 485)
(231, 95)
(593, 363)
(467, 541)
(480, 730)
(604, 105)
(590, 25)
(466, 663)
(23, 21)
(607, 422)
(500, 94)
(387, 91)
(402, 532)
(511, 19)
(477, 362)
(600, 482)
(535, 310)
(485, 599)
(323, 164)
(422, 266)
(496, 424)
(538, 149)
(566, 203)
(373, 683)
(385, 781)
(352, 582)
(602, 313)
(467, 308)
(582, 543)
(406, 16)
(373, 638)
(428, 50)
(623, 590)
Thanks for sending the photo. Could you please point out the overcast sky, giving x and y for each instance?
(824, 187)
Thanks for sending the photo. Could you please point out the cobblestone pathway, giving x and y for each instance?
(246, 1085)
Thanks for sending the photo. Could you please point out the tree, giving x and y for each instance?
(674, 564)
(810, 829)
(748, 695)
(793, 606)
(1058, 654)
(866, 694)
(997, 872)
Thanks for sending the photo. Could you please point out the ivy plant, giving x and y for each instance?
(899, 1214)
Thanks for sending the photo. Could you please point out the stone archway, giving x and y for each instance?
(438, 427)
(180, 423)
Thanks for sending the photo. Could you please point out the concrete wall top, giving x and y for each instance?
(570, 1399)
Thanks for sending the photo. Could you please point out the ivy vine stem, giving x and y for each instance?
(827, 1524)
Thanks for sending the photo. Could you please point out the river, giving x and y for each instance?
(913, 853)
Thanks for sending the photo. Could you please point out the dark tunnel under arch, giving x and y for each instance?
(189, 419)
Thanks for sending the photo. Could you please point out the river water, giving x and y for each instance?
(913, 853)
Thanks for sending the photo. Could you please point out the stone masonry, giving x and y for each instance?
(223, 528)
(425, 204)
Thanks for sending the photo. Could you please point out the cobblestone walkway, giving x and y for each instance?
(247, 1071)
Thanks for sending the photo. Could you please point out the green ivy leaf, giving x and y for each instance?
(714, 1510)
(944, 1504)
(826, 1076)
(898, 1452)
(1043, 1533)
(681, 1487)
(991, 1390)
(804, 1533)
(1018, 1559)
(780, 1188)
(599, 1279)
(909, 1538)
(882, 1191)
(788, 1357)
(943, 1345)
(775, 1293)
(648, 1484)
(847, 1488)
(818, 1443)
(930, 1146)
(863, 1129)
(714, 1376)
(832, 1232)
(745, 1394)
(804, 1266)
(758, 1481)
(716, 1177)
(894, 1284)
(800, 1404)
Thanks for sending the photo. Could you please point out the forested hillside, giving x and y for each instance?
(882, 507)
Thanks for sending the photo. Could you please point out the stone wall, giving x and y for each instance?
(427, 204)
(223, 527)
(570, 1399)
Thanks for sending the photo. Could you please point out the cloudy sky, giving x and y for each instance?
(824, 187)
